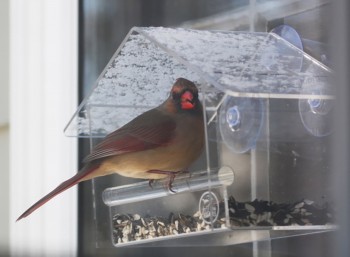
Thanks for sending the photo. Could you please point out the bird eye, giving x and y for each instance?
(175, 95)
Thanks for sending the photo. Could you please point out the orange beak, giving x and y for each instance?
(187, 101)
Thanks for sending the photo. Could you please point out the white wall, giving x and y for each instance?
(4, 126)
(43, 97)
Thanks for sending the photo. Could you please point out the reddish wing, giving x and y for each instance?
(149, 130)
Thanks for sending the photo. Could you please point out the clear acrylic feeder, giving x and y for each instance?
(264, 172)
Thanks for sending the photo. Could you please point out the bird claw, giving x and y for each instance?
(171, 174)
(170, 182)
(150, 182)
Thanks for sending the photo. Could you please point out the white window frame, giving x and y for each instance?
(43, 97)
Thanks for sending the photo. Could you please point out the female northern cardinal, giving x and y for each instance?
(159, 143)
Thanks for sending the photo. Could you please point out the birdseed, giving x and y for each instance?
(132, 227)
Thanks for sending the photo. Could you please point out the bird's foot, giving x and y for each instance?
(150, 182)
(171, 176)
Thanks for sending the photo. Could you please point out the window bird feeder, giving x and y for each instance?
(264, 172)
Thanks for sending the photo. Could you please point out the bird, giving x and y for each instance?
(158, 144)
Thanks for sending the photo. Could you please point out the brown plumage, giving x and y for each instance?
(155, 145)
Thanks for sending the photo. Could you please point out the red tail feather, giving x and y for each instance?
(62, 187)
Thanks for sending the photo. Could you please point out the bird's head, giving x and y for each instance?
(184, 95)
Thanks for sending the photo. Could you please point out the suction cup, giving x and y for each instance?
(240, 122)
(295, 57)
(289, 34)
(316, 115)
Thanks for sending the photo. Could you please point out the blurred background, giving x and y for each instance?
(52, 52)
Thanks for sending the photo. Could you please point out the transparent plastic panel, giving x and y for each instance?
(240, 64)
(138, 78)
(245, 64)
